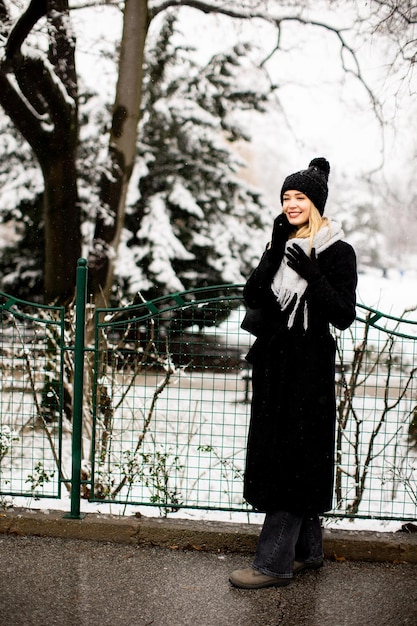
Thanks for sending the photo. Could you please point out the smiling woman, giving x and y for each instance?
(296, 207)
(305, 281)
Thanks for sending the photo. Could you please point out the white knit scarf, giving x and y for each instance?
(287, 285)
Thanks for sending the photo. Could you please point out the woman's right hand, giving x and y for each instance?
(280, 232)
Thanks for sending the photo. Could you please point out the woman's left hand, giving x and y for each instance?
(307, 267)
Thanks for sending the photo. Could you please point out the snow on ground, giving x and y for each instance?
(391, 294)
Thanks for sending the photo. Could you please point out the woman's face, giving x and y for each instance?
(296, 207)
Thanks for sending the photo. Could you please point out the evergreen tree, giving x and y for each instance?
(21, 213)
(22, 258)
(195, 222)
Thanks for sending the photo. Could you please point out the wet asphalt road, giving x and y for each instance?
(66, 582)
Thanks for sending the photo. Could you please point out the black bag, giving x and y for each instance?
(253, 322)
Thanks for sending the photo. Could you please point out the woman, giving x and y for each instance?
(305, 282)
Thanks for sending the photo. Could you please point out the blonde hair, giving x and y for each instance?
(310, 230)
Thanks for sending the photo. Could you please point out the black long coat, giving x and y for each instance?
(290, 451)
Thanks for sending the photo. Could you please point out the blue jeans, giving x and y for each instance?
(287, 537)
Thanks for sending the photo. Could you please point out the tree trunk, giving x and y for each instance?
(62, 228)
(41, 100)
(122, 151)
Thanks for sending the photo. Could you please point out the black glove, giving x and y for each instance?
(280, 233)
(307, 267)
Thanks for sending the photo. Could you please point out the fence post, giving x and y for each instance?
(77, 411)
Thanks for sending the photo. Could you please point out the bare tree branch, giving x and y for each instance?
(207, 7)
(23, 26)
(398, 11)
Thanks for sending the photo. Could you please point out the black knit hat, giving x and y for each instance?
(312, 182)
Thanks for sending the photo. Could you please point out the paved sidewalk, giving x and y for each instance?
(67, 582)
(111, 571)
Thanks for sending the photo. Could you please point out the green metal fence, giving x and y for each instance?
(162, 401)
(172, 393)
(171, 411)
(32, 398)
(376, 461)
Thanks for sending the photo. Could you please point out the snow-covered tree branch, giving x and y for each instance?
(104, 186)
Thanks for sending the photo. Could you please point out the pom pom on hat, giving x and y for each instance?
(312, 182)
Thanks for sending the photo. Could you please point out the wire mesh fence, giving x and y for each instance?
(172, 408)
(31, 398)
(172, 403)
(166, 406)
(377, 417)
